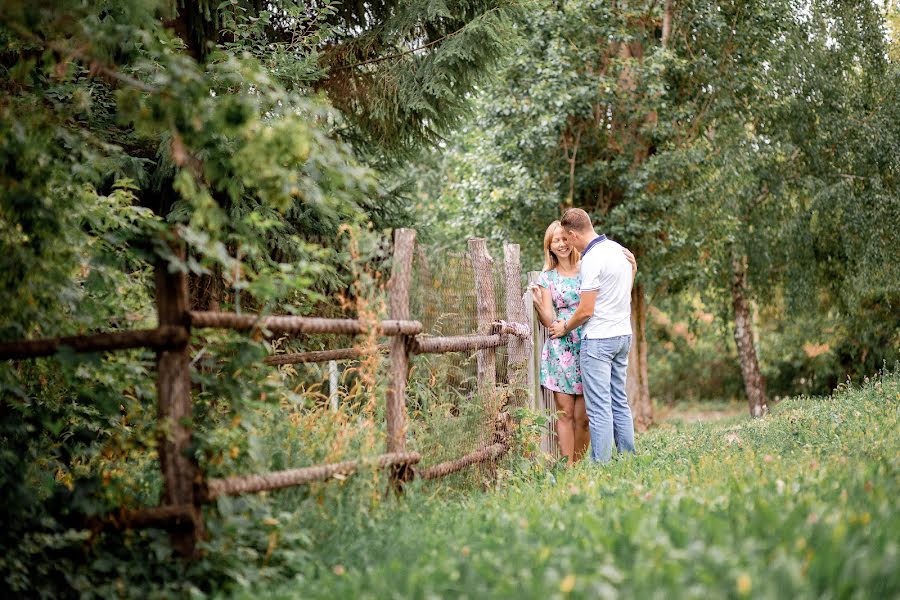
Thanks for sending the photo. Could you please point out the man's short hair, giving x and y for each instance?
(576, 219)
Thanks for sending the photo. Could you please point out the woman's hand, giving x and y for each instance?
(631, 258)
(536, 295)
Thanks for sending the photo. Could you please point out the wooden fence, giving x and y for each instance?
(186, 489)
(542, 398)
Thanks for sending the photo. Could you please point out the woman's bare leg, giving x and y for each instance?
(582, 435)
(565, 424)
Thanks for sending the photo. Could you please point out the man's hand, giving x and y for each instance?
(558, 329)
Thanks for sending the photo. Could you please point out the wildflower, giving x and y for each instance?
(744, 585)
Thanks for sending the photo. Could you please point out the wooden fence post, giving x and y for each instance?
(401, 274)
(533, 323)
(543, 398)
(173, 384)
(487, 313)
(517, 348)
(332, 385)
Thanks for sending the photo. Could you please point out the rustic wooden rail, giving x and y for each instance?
(443, 469)
(172, 517)
(520, 330)
(292, 324)
(185, 488)
(295, 358)
(420, 344)
(246, 484)
(456, 343)
(167, 337)
(158, 339)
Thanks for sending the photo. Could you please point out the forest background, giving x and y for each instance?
(747, 152)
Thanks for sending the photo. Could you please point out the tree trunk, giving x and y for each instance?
(637, 384)
(667, 23)
(195, 25)
(743, 338)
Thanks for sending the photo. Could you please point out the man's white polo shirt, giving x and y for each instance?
(605, 269)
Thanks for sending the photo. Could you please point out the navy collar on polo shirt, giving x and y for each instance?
(594, 242)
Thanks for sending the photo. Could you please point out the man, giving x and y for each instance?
(606, 278)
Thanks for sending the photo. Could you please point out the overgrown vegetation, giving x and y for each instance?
(249, 132)
(800, 504)
(275, 141)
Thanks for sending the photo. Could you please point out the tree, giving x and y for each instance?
(129, 125)
(596, 92)
(688, 146)
(399, 72)
(752, 186)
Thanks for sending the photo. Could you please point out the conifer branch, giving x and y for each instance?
(94, 66)
(406, 52)
(399, 54)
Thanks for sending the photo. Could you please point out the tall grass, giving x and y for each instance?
(801, 504)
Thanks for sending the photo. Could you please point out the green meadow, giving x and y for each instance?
(801, 504)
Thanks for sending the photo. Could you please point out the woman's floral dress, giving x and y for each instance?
(560, 364)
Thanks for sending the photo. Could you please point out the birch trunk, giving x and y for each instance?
(743, 338)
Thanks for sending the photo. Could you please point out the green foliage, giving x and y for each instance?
(693, 357)
(801, 503)
(402, 71)
(763, 130)
(247, 132)
(128, 126)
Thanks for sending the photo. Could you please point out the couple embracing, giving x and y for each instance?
(583, 296)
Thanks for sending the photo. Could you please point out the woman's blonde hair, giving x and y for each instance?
(550, 259)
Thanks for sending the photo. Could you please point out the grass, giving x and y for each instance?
(801, 504)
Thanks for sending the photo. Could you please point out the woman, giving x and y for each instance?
(556, 296)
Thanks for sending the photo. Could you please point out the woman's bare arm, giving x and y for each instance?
(543, 303)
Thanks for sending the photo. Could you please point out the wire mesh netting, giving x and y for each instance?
(449, 415)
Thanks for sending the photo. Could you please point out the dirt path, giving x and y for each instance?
(692, 415)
